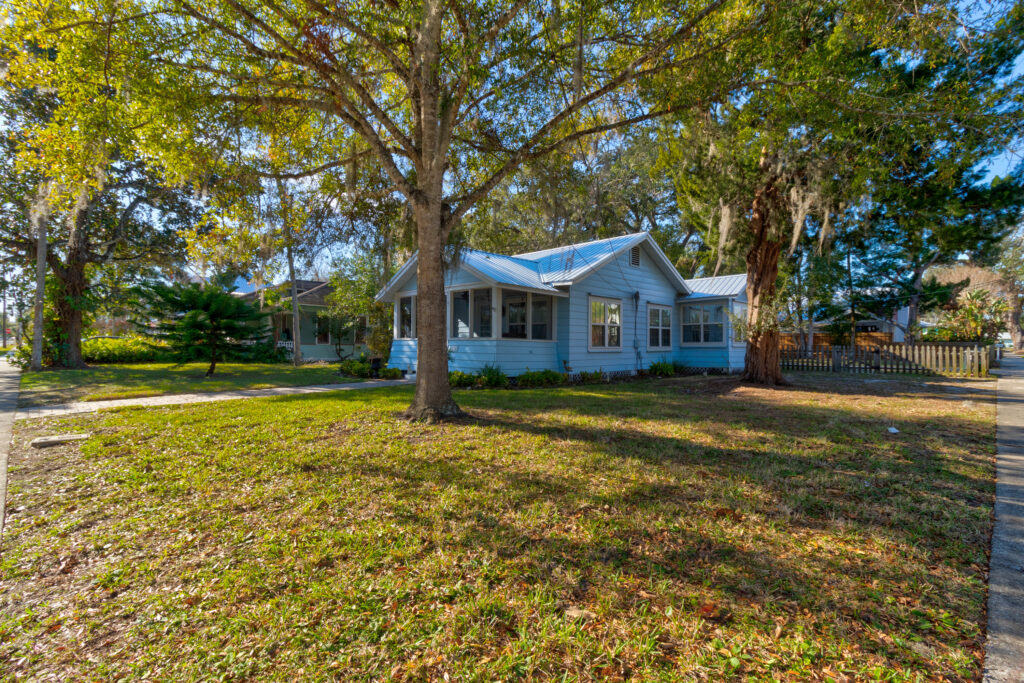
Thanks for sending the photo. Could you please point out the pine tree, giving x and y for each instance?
(204, 322)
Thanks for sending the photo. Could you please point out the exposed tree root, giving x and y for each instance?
(432, 415)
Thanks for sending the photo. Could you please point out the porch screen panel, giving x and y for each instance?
(513, 314)
(460, 314)
(405, 309)
(540, 316)
(482, 313)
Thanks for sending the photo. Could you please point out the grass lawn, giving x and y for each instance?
(648, 531)
(105, 382)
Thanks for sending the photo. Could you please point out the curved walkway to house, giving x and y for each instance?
(1004, 651)
(63, 409)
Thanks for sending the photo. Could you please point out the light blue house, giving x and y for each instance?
(616, 305)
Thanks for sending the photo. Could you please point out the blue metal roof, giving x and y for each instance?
(566, 264)
(505, 270)
(721, 286)
(543, 270)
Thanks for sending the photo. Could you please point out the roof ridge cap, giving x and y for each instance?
(579, 244)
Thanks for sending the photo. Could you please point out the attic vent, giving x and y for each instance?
(634, 257)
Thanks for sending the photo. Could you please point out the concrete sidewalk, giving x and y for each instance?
(1004, 649)
(77, 407)
(10, 379)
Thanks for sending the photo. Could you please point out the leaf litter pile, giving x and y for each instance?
(669, 530)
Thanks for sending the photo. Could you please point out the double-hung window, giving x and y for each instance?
(470, 313)
(605, 323)
(704, 323)
(659, 327)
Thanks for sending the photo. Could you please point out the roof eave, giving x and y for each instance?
(388, 290)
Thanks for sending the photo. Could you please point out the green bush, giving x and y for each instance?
(391, 373)
(131, 349)
(492, 377)
(457, 378)
(267, 352)
(595, 377)
(355, 368)
(541, 378)
(662, 369)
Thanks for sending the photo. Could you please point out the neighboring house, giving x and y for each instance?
(870, 332)
(318, 330)
(616, 305)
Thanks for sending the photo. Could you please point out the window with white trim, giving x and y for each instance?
(704, 323)
(605, 323)
(406, 318)
(659, 326)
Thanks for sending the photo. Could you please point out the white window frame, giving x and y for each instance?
(659, 307)
(590, 324)
(398, 315)
(529, 316)
(472, 312)
(737, 306)
(725, 324)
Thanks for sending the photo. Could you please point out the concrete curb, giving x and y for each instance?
(1004, 647)
(10, 381)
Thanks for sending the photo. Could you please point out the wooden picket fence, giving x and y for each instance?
(956, 360)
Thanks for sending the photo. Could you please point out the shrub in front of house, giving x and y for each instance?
(130, 349)
(595, 377)
(355, 368)
(391, 373)
(491, 377)
(541, 378)
(461, 380)
(661, 369)
(267, 352)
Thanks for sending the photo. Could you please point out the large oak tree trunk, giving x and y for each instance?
(433, 401)
(762, 360)
(69, 313)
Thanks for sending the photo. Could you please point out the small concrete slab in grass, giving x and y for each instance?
(57, 440)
